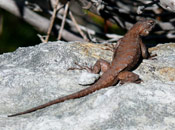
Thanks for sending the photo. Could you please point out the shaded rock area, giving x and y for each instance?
(35, 75)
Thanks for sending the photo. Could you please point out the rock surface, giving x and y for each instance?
(168, 5)
(35, 75)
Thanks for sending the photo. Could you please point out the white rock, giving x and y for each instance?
(30, 77)
(87, 78)
(168, 4)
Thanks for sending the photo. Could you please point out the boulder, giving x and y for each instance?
(31, 76)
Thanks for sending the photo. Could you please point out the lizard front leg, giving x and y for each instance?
(100, 65)
(144, 50)
(145, 53)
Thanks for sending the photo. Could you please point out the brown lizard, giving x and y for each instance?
(126, 56)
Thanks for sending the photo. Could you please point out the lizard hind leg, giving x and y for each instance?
(128, 77)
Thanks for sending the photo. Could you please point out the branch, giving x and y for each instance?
(77, 26)
(63, 21)
(88, 30)
(52, 21)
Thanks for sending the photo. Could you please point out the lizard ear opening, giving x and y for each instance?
(151, 23)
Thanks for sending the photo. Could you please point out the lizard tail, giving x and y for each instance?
(78, 94)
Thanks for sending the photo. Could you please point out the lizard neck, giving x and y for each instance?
(134, 33)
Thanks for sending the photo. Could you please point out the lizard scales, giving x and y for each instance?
(126, 55)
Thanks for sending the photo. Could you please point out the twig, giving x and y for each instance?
(71, 23)
(41, 38)
(63, 21)
(92, 39)
(33, 6)
(77, 26)
(52, 21)
(88, 30)
(141, 8)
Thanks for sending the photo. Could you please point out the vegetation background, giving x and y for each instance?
(14, 33)
(102, 17)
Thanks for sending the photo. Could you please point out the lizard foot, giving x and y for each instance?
(89, 69)
(152, 57)
(137, 81)
(110, 47)
(100, 65)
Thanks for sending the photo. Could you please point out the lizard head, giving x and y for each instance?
(145, 26)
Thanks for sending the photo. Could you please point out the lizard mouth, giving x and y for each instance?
(146, 32)
(150, 26)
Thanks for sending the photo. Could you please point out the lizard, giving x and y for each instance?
(127, 53)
